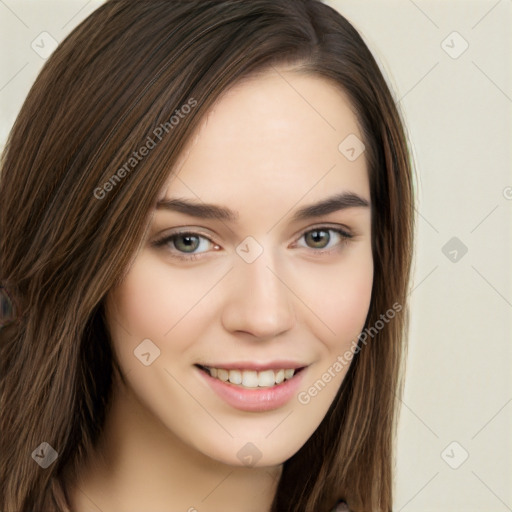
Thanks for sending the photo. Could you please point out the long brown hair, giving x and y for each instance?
(69, 231)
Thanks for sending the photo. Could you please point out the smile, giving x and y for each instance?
(250, 378)
(254, 389)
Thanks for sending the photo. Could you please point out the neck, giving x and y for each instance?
(139, 464)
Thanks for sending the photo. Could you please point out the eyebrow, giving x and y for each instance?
(211, 211)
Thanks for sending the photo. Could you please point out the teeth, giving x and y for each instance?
(251, 378)
(235, 377)
(288, 374)
(222, 375)
(266, 379)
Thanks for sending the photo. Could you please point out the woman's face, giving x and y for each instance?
(262, 294)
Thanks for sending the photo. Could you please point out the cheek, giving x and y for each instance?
(341, 301)
(349, 314)
(340, 297)
(154, 300)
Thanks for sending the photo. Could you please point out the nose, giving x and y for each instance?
(258, 300)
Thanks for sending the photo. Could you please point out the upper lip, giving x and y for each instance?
(252, 365)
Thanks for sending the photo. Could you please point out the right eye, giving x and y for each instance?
(183, 245)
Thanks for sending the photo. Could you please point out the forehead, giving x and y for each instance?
(277, 135)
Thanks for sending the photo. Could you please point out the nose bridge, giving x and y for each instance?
(258, 301)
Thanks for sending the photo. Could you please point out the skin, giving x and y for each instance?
(269, 147)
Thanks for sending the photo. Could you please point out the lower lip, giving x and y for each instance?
(255, 399)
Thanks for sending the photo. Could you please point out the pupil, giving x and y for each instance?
(317, 236)
(190, 243)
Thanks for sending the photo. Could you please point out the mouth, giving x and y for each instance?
(251, 379)
(259, 388)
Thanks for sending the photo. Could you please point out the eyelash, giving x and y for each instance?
(345, 238)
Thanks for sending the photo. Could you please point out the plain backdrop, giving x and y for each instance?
(449, 65)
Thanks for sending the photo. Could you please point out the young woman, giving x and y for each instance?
(207, 225)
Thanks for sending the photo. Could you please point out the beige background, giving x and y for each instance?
(457, 103)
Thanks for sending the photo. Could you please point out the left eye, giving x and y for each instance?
(320, 237)
(185, 245)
